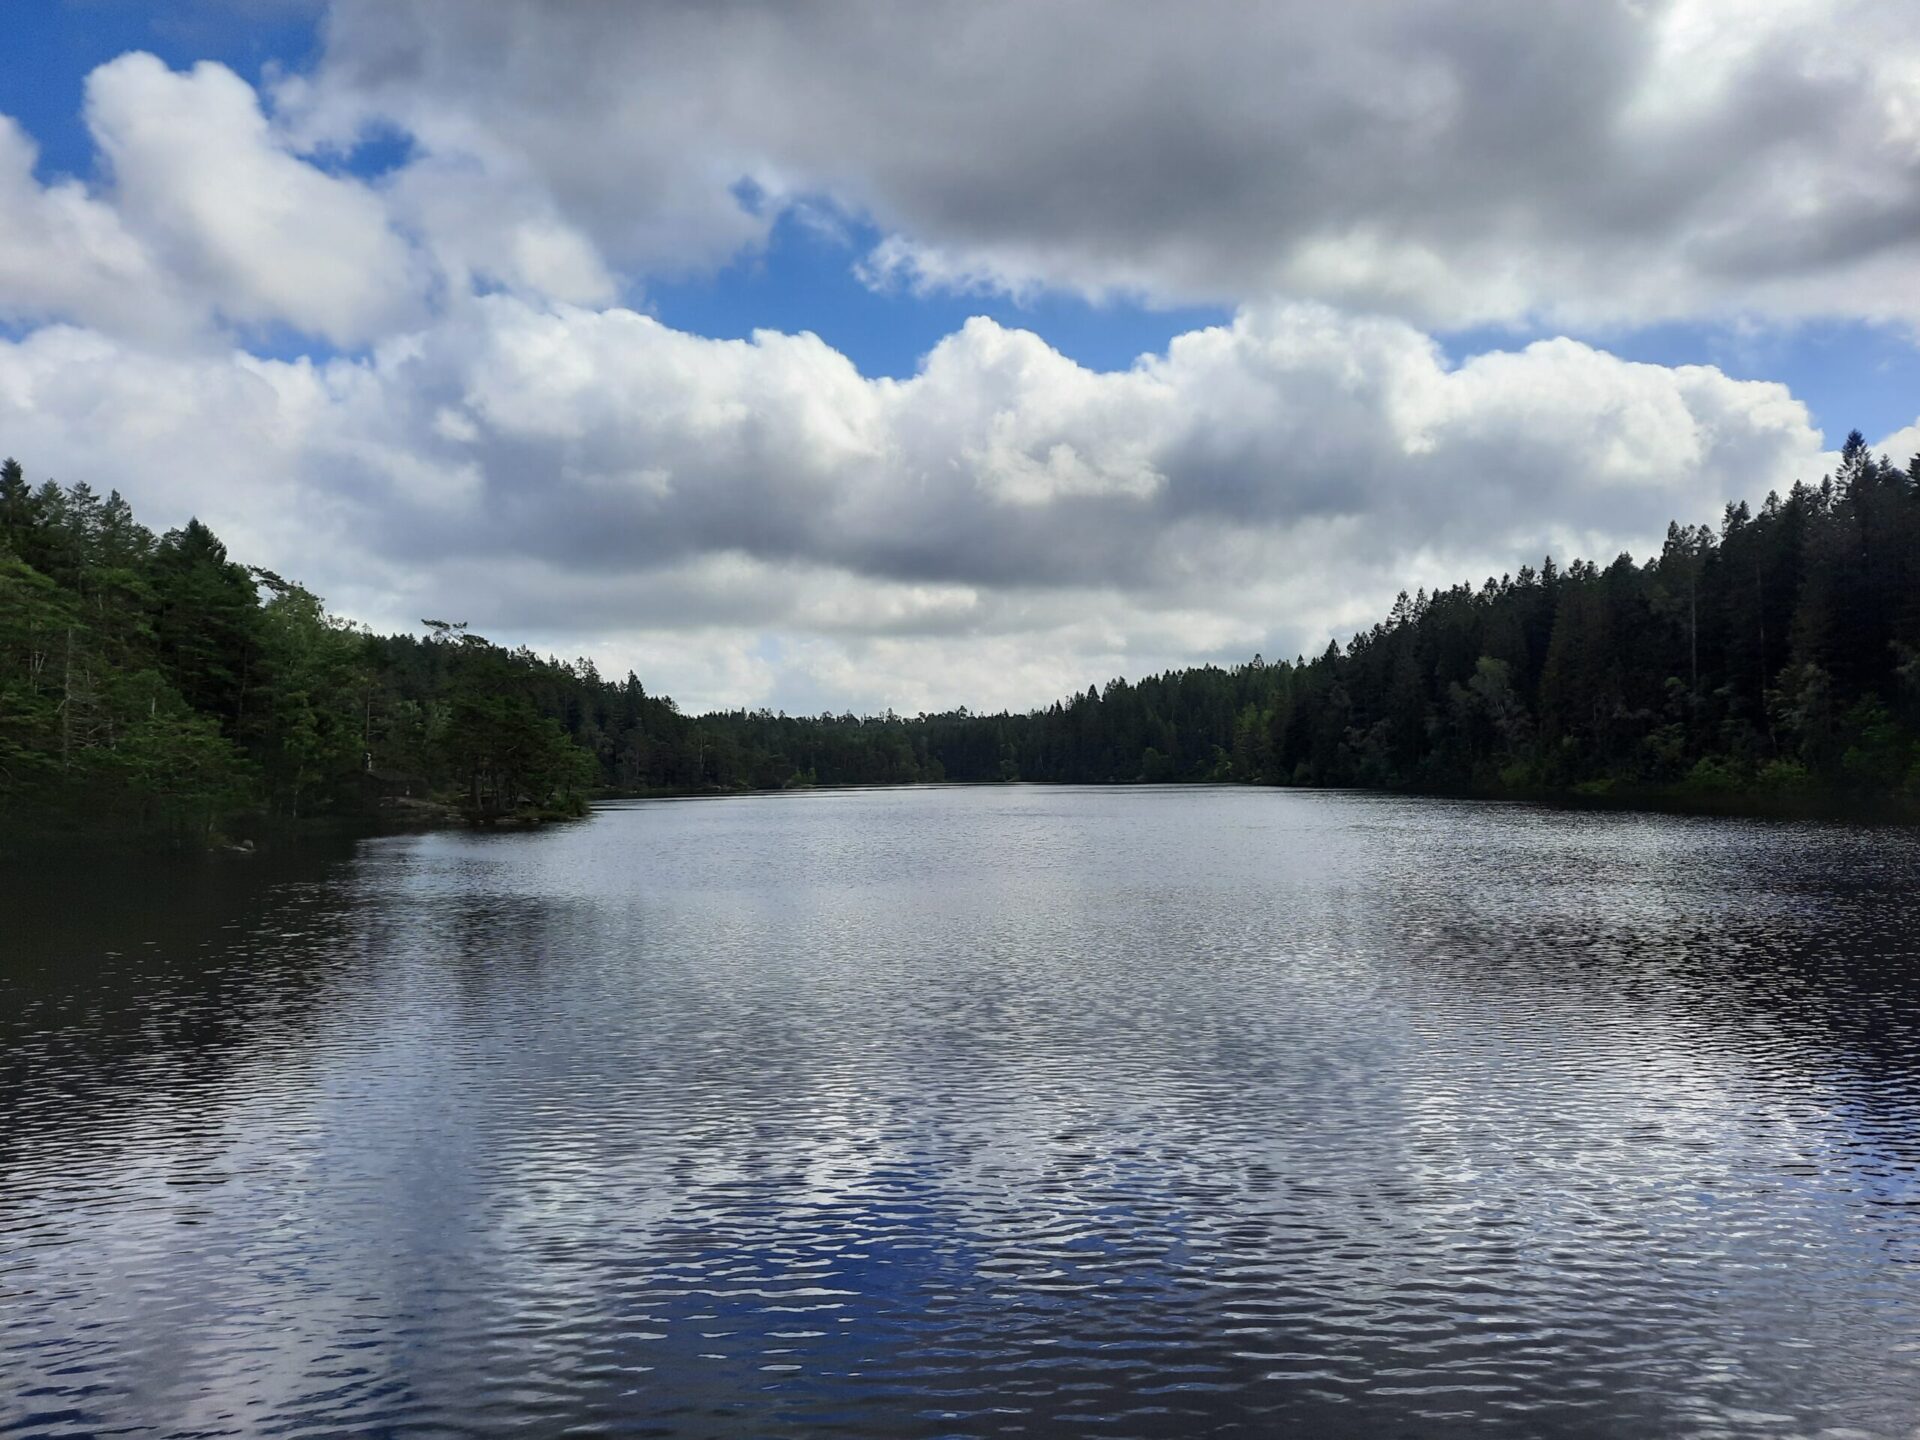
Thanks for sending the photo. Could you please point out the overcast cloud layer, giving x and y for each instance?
(489, 426)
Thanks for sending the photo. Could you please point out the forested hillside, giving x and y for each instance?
(1780, 654)
(153, 687)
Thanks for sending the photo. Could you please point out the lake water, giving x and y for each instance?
(1009, 1111)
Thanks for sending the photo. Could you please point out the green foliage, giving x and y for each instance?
(155, 687)
(1878, 753)
(314, 702)
(1784, 777)
(1778, 654)
(174, 772)
(1713, 775)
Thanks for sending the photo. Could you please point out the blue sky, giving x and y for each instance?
(52, 44)
(369, 275)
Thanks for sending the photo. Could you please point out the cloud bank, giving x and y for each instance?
(1452, 163)
(483, 422)
(594, 476)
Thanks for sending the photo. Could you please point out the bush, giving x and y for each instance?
(1785, 777)
(1713, 775)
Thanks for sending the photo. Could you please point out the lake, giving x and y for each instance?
(999, 1111)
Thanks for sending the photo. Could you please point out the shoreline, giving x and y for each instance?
(424, 816)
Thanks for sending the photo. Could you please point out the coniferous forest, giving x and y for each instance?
(154, 689)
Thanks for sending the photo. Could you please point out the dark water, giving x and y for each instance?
(975, 1112)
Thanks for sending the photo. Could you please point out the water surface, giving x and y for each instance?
(1010, 1111)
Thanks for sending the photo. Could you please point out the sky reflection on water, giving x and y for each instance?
(978, 1112)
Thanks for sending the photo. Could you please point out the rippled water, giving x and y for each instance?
(975, 1112)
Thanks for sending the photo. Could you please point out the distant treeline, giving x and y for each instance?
(155, 687)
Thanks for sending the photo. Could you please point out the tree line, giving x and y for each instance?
(1778, 654)
(151, 687)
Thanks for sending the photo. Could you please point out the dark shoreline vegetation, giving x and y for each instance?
(155, 692)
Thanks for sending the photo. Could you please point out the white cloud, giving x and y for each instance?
(1572, 166)
(1902, 447)
(263, 235)
(64, 252)
(484, 227)
(756, 522)
(1451, 163)
(748, 521)
(208, 217)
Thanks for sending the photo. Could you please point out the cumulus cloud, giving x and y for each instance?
(1452, 163)
(64, 252)
(208, 216)
(1566, 164)
(483, 226)
(1001, 524)
(486, 431)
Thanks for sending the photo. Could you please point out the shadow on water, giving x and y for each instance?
(126, 982)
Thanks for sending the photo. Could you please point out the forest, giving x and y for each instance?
(154, 690)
